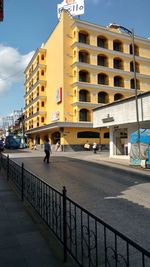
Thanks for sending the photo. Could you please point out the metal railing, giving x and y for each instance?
(90, 241)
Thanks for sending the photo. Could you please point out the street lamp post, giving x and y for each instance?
(131, 33)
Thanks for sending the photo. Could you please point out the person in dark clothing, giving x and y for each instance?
(47, 150)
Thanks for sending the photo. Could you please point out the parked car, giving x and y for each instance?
(1, 145)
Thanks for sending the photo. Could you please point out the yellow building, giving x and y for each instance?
(80, 66)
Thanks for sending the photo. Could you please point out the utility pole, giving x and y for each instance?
(1, 10)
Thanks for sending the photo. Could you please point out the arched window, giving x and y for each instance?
(42, 57)
(102, 78)
(136, 50)
(118, 81)
(37, 92)
(84, 115)
(42, 103)
(83, 37)
(84, 95)
(84, 57)
(37, 76)
(117, 45)
(42, 119)
(84, 76)
(42, 88)
(55, 137)
(118, 63)
(102, 60)
(102, 42)
(132, 84)
(37, 108)
(37, 59)
(118, 97)
(136, 66)
(103, 97)
(37, 121)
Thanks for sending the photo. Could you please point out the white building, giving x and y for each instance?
(120, 117)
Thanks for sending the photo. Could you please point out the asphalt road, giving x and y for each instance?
(119, 197)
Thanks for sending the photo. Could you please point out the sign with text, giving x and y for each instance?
(55, 116)
(59, 95)
(74, 7)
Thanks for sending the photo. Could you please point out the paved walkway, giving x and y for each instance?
(21, 241)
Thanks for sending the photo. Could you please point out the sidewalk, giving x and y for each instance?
(21, 242)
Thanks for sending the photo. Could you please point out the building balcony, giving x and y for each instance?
(38, 113)
(39, 97)
(86, 104)
(103, 87)
(94, 70)
(37, 68)
(108, 52)
(38, 82)
(36, 59)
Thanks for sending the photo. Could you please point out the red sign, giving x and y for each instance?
(59, 95)
(1, 10)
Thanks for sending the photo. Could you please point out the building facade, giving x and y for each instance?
(80, 67)
(120, 117)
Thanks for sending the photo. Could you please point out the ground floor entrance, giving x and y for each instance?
(120, 140)
(70, 138)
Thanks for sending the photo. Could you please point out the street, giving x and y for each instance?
(117, 196)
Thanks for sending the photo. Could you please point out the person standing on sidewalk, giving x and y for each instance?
(47, 150)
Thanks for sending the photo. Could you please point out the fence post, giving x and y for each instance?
(0, 160)
(22, 182)
(7, 167)
(64, 191)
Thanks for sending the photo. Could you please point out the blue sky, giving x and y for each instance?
(28, 23)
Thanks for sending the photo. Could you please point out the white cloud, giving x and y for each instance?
(12, 66)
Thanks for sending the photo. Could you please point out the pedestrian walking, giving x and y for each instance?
(87, 145)
(94, 148)
(34, 145)
(57, 146)
(47, 150)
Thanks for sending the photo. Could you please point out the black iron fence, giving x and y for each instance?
(89, 240)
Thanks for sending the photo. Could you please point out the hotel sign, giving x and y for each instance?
(74, 7)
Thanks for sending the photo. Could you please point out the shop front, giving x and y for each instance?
(120, 118)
